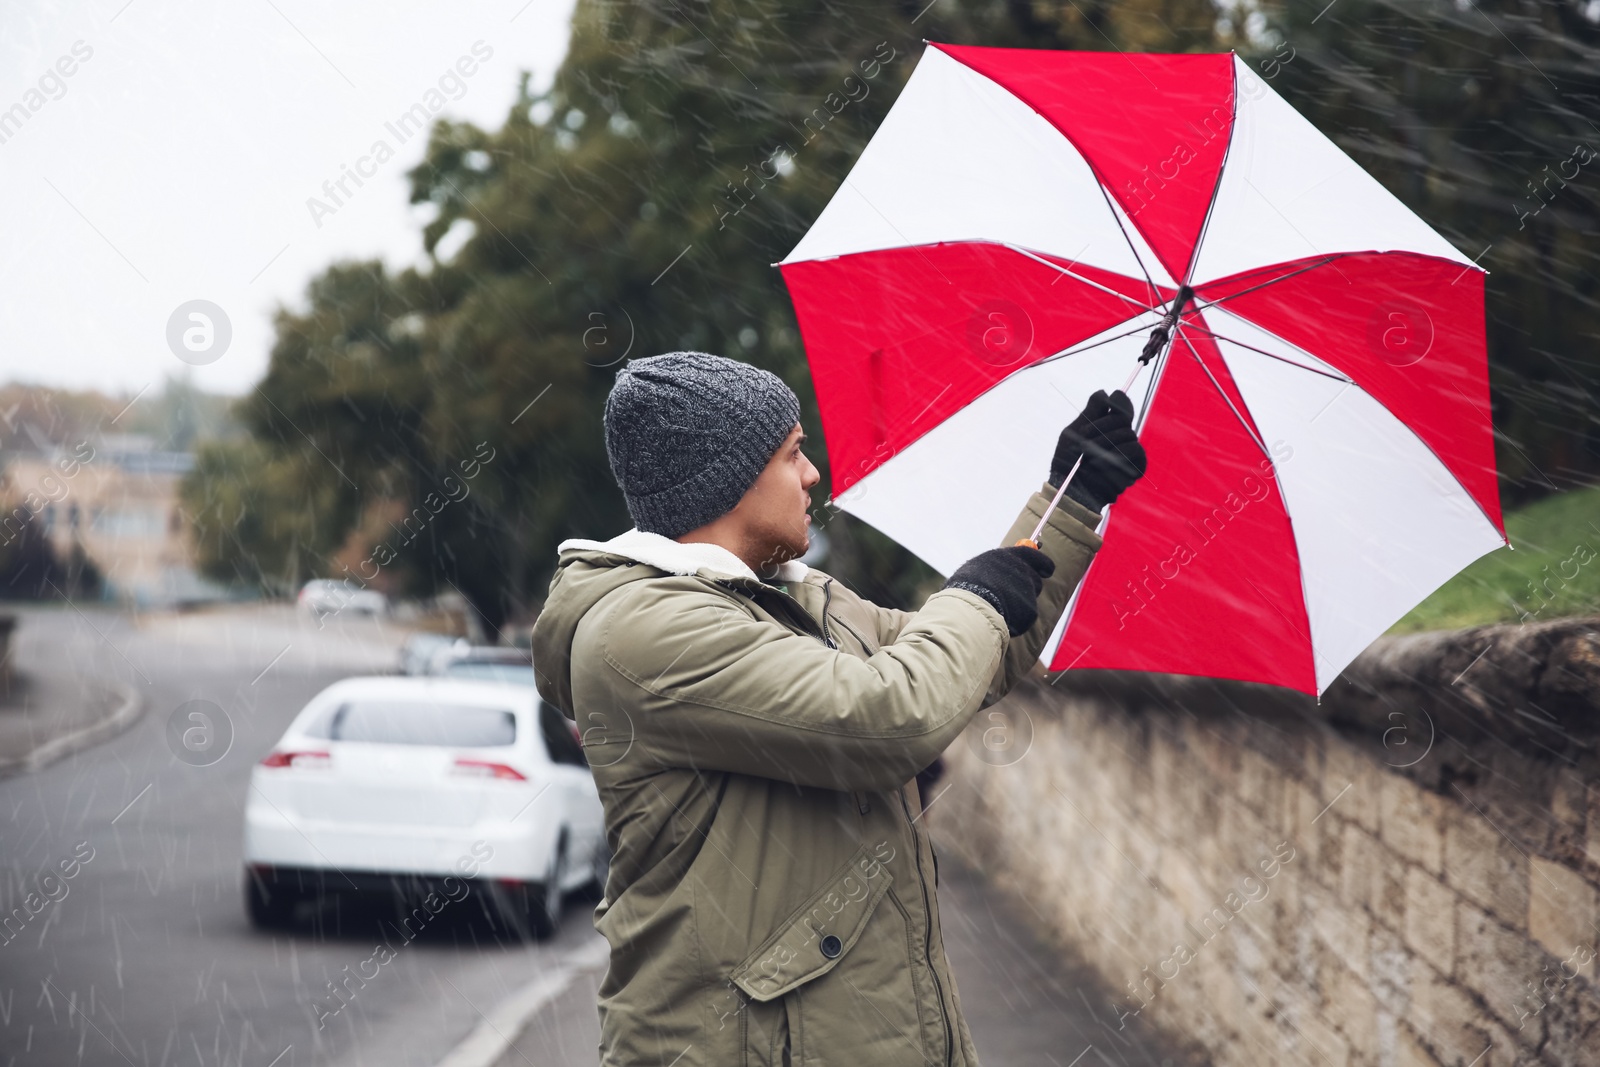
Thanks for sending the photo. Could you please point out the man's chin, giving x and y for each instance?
(788, 550)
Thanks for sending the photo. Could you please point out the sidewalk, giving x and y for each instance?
(57, 702)
(1025, 1002)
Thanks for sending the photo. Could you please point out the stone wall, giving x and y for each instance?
(1407, 873)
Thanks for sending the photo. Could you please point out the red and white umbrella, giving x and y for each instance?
(1320, 446)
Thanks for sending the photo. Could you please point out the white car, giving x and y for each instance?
(330, 596)
(433, 788)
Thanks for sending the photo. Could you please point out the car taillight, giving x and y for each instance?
(297, 759)
(477, 768)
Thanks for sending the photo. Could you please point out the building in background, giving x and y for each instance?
(113, 500)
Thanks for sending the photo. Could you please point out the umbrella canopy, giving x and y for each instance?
(1320, 447)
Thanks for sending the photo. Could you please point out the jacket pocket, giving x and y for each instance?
(813, 940)
(871, 1009)
(764, 1033)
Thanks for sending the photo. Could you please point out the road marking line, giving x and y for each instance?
(488, 1041)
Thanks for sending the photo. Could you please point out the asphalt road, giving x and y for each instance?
(144, 956)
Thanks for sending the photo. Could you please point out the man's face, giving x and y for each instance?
(775, 508)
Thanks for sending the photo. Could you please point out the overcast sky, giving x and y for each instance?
(175, 161)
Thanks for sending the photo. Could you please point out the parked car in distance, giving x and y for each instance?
(411, 786)
(519, 673)
(460, 653)
(329, 596)
(416, 654)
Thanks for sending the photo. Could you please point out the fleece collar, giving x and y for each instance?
(668, 555)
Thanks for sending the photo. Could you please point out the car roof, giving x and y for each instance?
(495, 654)
(431, 688)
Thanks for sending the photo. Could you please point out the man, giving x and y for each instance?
(755, 728)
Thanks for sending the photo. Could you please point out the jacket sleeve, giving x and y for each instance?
(1069, 539)
(712, 687)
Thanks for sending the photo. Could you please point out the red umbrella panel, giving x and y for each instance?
(1321, 451)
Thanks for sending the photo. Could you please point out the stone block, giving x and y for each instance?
(1351, 1008)
(1391, 964)
(1561, 908)
(1480, 864)
(1245, 838)
(1329, 849)
(1495, 962)
(1283, 910)
(1430, 919)
(1572, 1024)
(1504, 1048)
(1445, 1016)
(1300, 806)
(1317, 1041)
(1592, 831)
(1345, 765)
(1216, 748)
(1360, 859)
(1568, 803)
(1410, 821)
(1385, 875)
(1347, 933)
(1260, 783)
(1410, 1052)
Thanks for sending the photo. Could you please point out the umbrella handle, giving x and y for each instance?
(1157, 341)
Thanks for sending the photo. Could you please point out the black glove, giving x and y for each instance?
(1113, 458)
(1010, 579)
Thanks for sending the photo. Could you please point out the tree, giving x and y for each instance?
(685, 145)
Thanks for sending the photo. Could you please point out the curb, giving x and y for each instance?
(125, 715)
(496, 1031)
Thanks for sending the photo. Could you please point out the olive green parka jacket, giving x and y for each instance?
(771, 896)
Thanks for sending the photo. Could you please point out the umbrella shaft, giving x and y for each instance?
(1033, 540)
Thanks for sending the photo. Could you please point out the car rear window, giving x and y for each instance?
(396, 722)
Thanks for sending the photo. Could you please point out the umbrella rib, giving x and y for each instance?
(887, 222)
(1274, 281)
(1227, 399)
(1070, 351)
(1216, 188)
(1273, 355)
(1137, 258)
(1081, 278)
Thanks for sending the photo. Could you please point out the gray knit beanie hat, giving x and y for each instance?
(688, 432)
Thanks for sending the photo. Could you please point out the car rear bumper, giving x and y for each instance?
(519, 851)
(325, 881)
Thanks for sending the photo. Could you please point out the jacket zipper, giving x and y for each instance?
(827, 598)
(927, 941)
